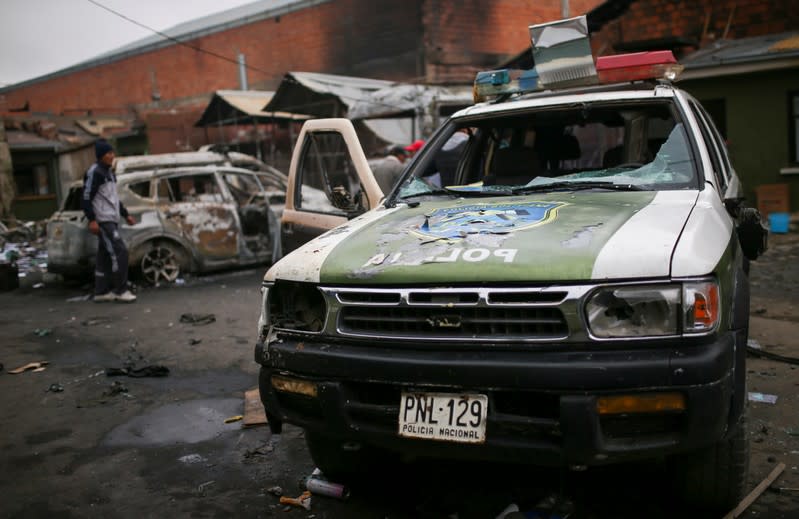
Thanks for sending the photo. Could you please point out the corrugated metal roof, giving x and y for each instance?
(21, 141)
(321, 95)
(402, 99)
(236, 17)
(241, 106)
(745, 50)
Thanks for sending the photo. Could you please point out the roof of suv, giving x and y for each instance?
(167, 160)
(613, 92)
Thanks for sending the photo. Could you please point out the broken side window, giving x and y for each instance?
(190, 188)
(141, 189)
(245, 189)
(329, 181)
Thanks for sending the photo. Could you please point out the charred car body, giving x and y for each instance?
(194, 212)
(573, 293)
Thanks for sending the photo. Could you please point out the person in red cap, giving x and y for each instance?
(413, 147)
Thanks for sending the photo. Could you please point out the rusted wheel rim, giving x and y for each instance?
(160, 264)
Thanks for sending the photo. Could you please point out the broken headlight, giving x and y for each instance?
(263, 318)
(296, 306)
(653, 310)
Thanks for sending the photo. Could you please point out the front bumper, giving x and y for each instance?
(542, 403)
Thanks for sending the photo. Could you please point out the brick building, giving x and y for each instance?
(432, 41)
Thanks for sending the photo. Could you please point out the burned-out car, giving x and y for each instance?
(188, 219)
(567, 289)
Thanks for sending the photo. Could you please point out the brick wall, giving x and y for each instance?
(356, 37)
(390, 39)
(700, 20)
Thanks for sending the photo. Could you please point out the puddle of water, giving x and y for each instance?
(191, 421)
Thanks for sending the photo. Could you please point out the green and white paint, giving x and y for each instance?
(565, 236)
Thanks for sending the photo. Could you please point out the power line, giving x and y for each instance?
(175, 40)
(220, 56)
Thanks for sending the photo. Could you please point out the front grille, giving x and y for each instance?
(495, 314)
(453, 322)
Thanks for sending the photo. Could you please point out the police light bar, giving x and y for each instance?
(504, 81)
(610, 69)
(638, 65)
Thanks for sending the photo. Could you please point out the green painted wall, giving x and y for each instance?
(757, 113)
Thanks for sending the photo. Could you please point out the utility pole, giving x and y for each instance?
(242, 72)
(564, 8)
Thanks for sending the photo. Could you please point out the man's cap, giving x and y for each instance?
(414, 146)
(101, 147)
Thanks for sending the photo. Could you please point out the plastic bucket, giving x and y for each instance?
(778, 222)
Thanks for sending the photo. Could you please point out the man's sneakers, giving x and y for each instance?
(105, 298)
(125, 297)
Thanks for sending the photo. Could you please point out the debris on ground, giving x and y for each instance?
(317, 484)
(146, 371)
(198, 319)
(275, 491)
(94, 321)
(115, 389)
(254, 412)
(761, 353)
(263, 450)
(24, 246)
(755, 493)
(194, 342)
(191, 459)
(78, 299)
(33, 367)
(202, 486)
(762, 397)
(55, 388)
(302, 501)
(42, 332)
(233, 418)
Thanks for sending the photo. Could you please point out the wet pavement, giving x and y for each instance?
(161, 446)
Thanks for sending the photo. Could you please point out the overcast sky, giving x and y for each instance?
(42, 36)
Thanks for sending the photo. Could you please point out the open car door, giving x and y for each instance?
(329, 182)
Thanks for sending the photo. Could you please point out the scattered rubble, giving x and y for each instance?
(23, 246)
(198, 319)
(146, 371)
(33, 367)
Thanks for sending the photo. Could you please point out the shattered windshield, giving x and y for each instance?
(620, 146)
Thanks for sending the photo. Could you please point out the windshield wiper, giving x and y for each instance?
(458, 192)
(576, 186)
(437, 191)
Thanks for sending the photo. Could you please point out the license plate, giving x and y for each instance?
(447, 417)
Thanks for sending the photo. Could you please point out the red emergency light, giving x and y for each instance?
(659, 64)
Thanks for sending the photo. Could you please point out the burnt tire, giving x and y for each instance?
(345, 461)
(162, 262)
(713, 479)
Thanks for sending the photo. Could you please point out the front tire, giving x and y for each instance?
(162, 262)
(714, 479)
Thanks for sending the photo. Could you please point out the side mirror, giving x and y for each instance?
(752, 234)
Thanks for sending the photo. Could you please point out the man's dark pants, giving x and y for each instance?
(111, 270)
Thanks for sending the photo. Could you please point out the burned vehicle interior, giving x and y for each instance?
(631, 145)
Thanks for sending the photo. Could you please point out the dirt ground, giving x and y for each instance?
(77, 443)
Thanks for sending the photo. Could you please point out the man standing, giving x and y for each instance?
(387, 170)
(102, 208)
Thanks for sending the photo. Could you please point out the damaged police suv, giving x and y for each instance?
(560, 277)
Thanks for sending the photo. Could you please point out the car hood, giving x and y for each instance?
(567, 236)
